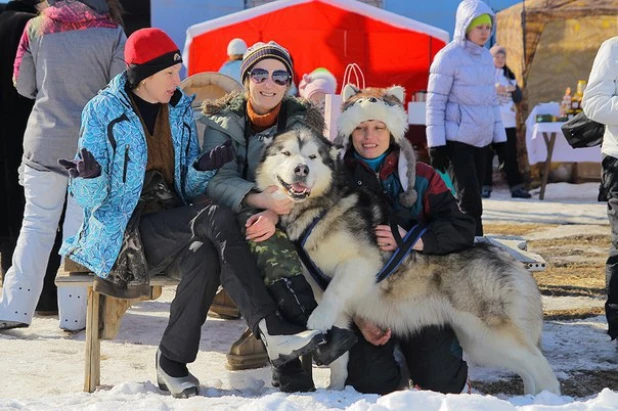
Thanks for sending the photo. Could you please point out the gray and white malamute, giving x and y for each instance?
(489, 299)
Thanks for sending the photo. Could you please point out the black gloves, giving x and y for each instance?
(216, 157)
(439, 158)
(87, 167)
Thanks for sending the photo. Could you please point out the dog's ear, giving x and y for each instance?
(348, 91)
(336, 152)
(397, 92)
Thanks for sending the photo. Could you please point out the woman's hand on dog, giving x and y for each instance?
(268, 200)
(261, 226)
(371, 332)
(386, 240)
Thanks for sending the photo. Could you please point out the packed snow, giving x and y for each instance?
(42, 367)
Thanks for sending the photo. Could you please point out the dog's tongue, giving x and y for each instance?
(299, 187)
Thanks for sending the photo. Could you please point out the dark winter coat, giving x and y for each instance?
(226, 119)
(448, 229)
(14, 112)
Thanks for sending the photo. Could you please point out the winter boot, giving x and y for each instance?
(247, 352)
(285, 341)
(486, 192)
(182, 385)
(520, 192)
(223, 307)
(294, 297)
(292, 377)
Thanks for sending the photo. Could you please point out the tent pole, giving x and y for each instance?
(523, 31)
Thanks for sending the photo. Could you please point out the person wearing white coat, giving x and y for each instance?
(600, 103)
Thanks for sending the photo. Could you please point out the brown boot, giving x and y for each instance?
(223, 307)
(247, 352)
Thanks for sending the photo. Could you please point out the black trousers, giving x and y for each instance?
(610, 185)
(467, 171)
(218, 253)
(511, 166)
(433, 357)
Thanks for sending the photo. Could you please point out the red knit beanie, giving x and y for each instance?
(147, 52)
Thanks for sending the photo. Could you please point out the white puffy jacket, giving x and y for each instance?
(462, 104)
(600, 101)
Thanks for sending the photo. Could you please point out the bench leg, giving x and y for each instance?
(307, 363)
(92, 374)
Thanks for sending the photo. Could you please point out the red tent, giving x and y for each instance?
(389, 48)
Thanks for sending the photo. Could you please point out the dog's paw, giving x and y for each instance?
(321, 319)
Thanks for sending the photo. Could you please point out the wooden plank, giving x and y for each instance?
(518, 249)
(92, 375)
(79, 279)
(71, 266)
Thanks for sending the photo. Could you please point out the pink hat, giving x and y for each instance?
(320, 80)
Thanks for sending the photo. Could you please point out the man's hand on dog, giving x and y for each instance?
(372, 333)
(261, 226)
(386, 240)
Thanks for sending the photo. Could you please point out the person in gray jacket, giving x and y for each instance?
(249, 120)
(600, 103)
(83, 40)
(463, 115)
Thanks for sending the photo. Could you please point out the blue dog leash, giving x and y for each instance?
(404, 247)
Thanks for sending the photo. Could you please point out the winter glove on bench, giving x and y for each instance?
(87, 167)
(439, 158)
(215, 158)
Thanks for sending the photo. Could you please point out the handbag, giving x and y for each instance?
(332, 102)
(581, 132)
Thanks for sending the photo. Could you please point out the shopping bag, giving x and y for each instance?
(332, 102)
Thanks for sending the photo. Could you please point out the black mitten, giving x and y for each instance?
(439, 158)
(216, 157)
(87, 167)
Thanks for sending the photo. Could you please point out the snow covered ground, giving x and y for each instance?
(41, 367)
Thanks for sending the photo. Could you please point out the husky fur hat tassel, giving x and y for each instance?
(385, 105)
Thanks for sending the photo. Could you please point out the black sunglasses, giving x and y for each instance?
(280, 77)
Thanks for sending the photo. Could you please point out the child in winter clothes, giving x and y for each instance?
(463, 115)
(508, 95)
(235, 49)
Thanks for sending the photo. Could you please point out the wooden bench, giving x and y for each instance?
(103, 314)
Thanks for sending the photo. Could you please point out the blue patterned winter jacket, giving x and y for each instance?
(113, 133)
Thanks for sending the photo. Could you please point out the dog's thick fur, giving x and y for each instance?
(489, 299)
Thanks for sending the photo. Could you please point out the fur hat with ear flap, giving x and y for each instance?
(385, 105)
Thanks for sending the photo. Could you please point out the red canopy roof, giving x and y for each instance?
(389, 48)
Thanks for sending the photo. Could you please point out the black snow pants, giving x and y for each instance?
(433, 357)
(610, 185)
(467, 170)
(203, 247)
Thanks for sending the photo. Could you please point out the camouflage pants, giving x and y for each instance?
(276, 257)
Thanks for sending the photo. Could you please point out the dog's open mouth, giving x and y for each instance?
(298, 191)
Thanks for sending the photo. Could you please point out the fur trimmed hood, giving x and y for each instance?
(236, 103)
(386, 105)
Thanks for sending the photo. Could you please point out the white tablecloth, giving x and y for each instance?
(563, 152)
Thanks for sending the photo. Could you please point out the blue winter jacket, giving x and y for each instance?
(462, 104)
(113, 133)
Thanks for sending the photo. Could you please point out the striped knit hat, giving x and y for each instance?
(260, 51)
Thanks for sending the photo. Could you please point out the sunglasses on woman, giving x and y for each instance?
(279, 77)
